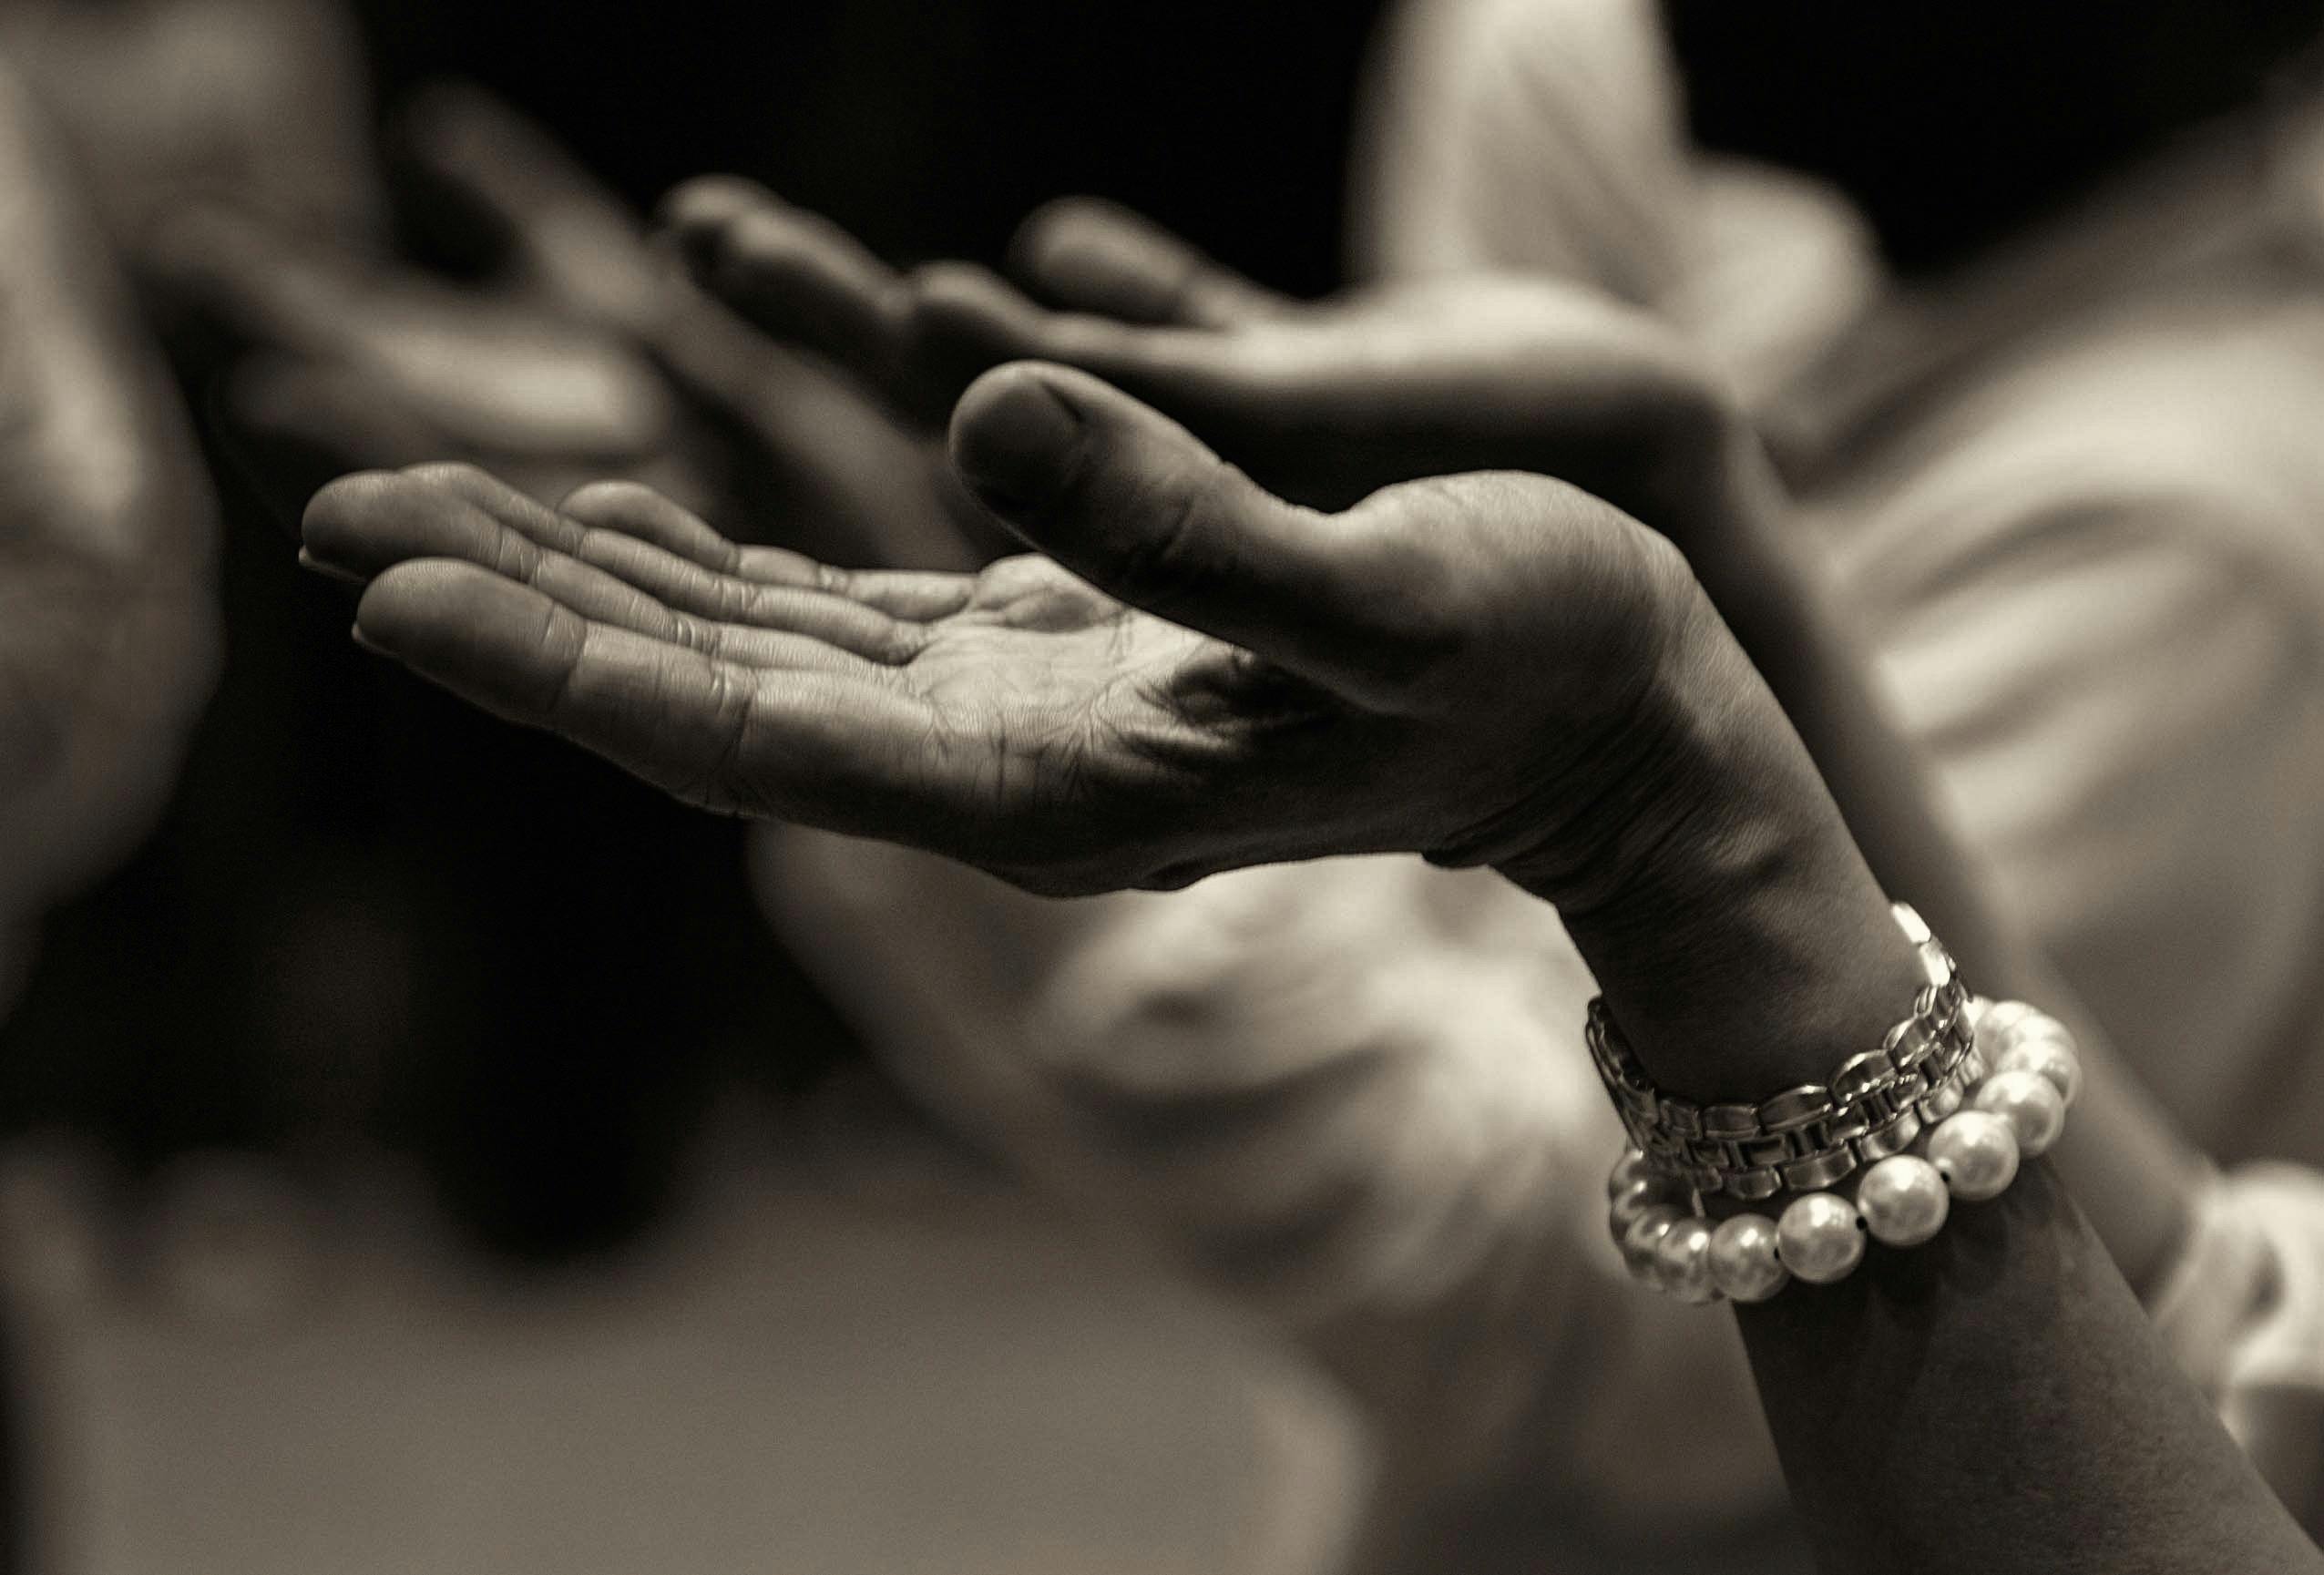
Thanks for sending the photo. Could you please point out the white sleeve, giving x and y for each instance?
(1540, 136)
(1352, 1094)
(1549, 137)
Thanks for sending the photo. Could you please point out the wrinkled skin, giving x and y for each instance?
(1456, 667)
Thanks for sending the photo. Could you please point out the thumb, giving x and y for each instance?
(1095, 256)
(1130, 501)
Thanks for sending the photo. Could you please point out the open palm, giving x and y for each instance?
(1447, 668)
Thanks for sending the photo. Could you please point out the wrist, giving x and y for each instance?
(1734, 928)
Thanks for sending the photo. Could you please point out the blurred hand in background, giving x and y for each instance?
(1324, 403)
(107, 638)
(571, 351)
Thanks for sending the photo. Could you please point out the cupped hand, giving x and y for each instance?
(1198, 676)
(1324, 403)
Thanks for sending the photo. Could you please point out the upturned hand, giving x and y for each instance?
(1491, 670)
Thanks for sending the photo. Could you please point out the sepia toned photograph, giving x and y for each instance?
(1050, 787)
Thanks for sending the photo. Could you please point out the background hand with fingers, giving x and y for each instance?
(1322, 403)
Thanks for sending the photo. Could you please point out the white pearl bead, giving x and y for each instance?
(1976, 1153)
(2047, 1057)
(1820, 1238)
(1994, 1018)
(1628, 1172)
(2032, 1102)
(1903, 1200)
(1743, 1264)
(1638, 1241)
(1632, 1201)
(1683, 1261)
(2029, 1024)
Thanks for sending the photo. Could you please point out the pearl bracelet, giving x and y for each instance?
(2012, 1112)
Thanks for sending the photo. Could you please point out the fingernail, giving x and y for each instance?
(1014, 439)
(314, 564)
(356, 633)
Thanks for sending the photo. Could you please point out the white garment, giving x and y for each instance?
(1352, 1092)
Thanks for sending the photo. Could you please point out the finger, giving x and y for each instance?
(291, 426)
(829, 468)
(966, 320)
(570, 235)
(627, 507)
(821, 748)
(921, 595)
(639, 511)
(650, 542)
(364, 524)
(1096, 255)
(795, 274)
(1128, 499)
(407, 522)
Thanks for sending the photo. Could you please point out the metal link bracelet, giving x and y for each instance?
(1814, 1136)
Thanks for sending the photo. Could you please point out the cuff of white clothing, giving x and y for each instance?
(2243, 1307)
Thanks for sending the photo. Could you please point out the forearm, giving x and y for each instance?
(2004, 1394)
(2132, 1174)
(1993, 1402)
